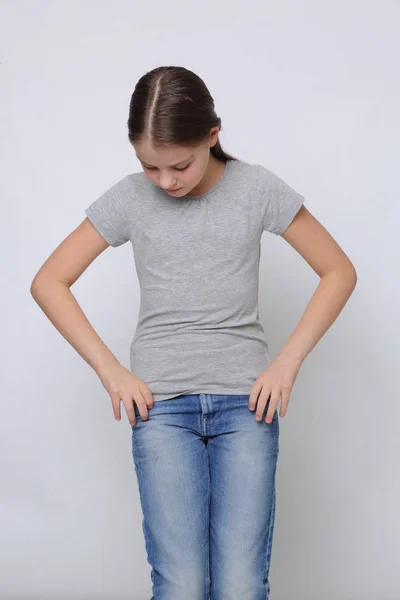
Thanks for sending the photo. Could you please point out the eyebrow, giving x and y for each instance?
(175, 165)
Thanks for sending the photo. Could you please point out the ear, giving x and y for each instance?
(214, 135)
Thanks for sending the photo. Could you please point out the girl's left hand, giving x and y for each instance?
(277, 380)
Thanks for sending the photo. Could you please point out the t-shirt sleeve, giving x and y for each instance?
(108, 214)
(279, 203)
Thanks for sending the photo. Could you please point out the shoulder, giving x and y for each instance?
(243, 167)
(279, 202)
(267, 180)
(244, 176)
(262, 177)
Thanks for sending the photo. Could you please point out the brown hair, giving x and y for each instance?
(172, 106)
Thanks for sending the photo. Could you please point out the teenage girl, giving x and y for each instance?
(202, 392)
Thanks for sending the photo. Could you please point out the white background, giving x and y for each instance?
(311, 91)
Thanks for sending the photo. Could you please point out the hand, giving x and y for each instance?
(277, 380)
(120, 383)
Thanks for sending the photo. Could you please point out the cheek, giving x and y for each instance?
(152, 177)
(187, 176)
(194, 175)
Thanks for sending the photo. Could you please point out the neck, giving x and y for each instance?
(213, 174)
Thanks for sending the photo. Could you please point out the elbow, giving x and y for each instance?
(348, 275)
(345, 274)
(35, 287)
(352, 274)
(43, 282)
(39, 284)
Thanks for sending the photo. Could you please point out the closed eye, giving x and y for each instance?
(176, 168)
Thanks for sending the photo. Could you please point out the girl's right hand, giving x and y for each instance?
(121, 384)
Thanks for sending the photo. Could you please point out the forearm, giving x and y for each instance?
(328, 300)
(61, 307)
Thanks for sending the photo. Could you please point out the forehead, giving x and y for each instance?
(169, 156)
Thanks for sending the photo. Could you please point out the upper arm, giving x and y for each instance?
(315, 244)
(106, 224)
(75, 253)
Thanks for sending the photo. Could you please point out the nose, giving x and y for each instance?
(167, 184)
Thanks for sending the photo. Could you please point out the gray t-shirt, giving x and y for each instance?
(197, 261)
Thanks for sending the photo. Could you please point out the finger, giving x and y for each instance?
(141, 404)
(254, 392)
(129, 408)
(273, 403)
(148, 396)
(115, 403)
(285, 402)
(262, 401)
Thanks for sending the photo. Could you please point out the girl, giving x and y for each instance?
(199, 362)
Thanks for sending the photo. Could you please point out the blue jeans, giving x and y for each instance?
(206, 476)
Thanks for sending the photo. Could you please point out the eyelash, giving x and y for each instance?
(176, 168)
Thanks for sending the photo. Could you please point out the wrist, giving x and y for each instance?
(290, 355)
(105, 365)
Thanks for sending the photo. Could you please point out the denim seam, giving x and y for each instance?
(208, 534)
